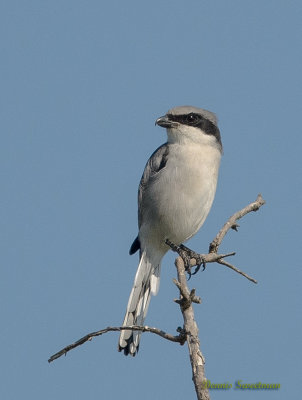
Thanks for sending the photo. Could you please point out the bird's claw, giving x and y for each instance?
(187, 254)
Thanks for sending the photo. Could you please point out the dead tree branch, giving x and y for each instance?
(191, 330)
(213, 256)
(181, 338)
(232, 222)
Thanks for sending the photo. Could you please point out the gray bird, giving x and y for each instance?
(175, 195)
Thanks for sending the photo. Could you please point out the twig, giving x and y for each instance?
(211, 257)
(232, 222)
(181, 338)
(191, 330)
(237, 270)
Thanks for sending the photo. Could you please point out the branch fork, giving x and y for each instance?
(192, 259)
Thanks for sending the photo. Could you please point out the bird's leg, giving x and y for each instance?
(186, 254)
(182, 253)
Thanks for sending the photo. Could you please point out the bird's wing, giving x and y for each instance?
(156, 162)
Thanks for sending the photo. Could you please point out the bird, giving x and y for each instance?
(175, 195)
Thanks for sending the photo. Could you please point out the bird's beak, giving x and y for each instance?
(164, 122)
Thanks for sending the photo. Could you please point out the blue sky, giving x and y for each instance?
(81, 86)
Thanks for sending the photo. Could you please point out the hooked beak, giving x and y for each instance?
(164, 122)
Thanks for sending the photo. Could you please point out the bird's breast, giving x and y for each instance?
(182, 193)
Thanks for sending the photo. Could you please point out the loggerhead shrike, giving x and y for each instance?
(175, 195)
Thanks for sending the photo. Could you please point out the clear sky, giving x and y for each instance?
(82, 83)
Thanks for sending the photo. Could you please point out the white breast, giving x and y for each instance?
(182, 194)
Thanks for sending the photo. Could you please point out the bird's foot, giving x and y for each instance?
(187, 254)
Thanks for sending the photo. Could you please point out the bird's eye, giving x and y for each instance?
(192, 118)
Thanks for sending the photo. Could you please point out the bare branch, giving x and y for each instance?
(184, 291)
(213, 256)
(232, 222)
(237, 270)
(191, 330)
(181, 338)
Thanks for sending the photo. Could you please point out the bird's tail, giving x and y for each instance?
(146, 283)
